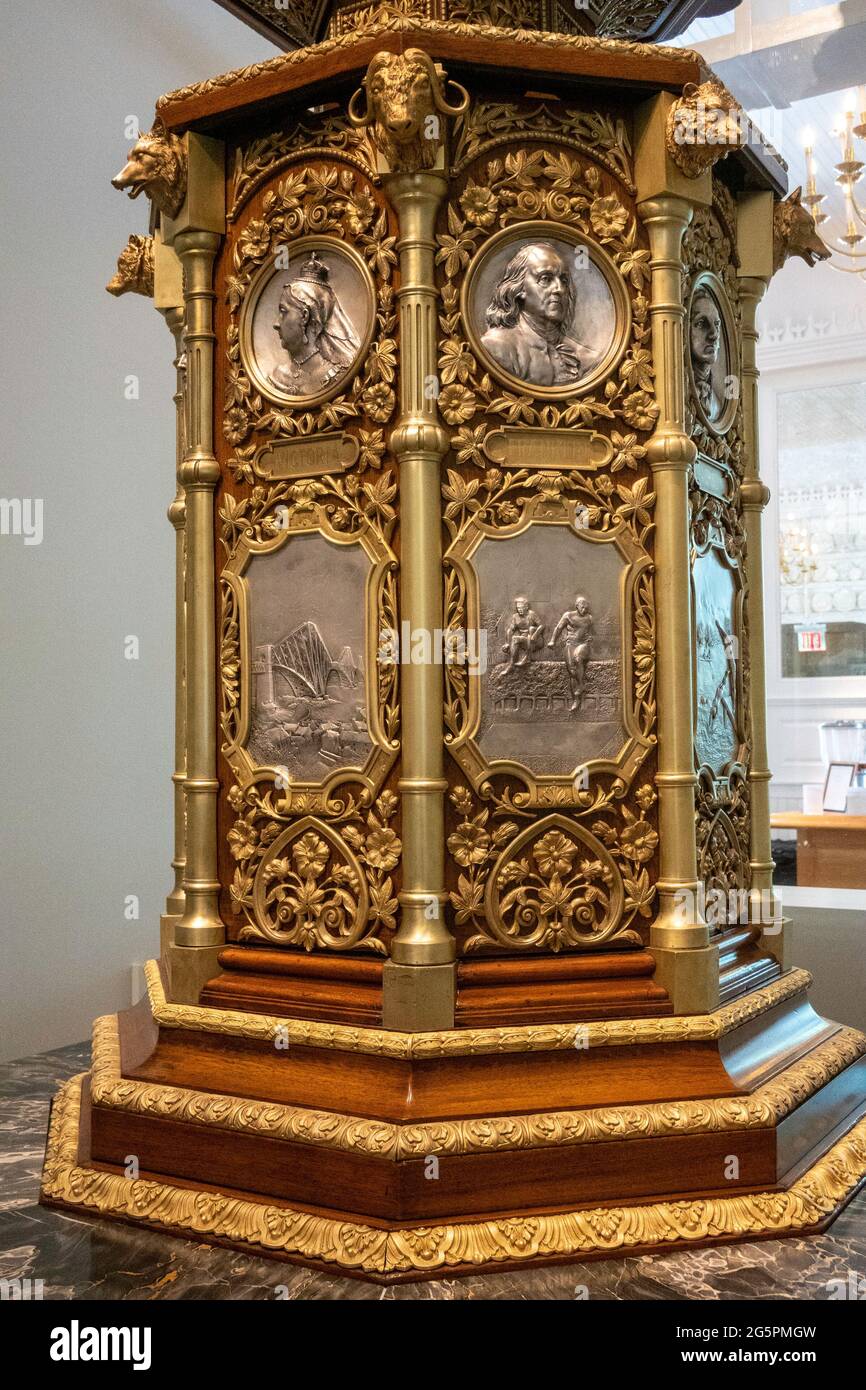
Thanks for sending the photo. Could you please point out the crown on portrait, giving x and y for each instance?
(314, 270)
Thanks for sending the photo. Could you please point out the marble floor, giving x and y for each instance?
(78, 1258)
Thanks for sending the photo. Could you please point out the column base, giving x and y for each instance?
(776, 943)
(167, 923)
(417, 998)
(188, 969)
(691, 978)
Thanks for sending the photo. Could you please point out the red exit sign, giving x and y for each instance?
(811, 639)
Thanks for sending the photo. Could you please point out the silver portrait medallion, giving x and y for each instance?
(546, 309)
(307, 321)
(711, 355)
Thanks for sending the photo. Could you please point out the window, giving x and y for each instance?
(822, 530)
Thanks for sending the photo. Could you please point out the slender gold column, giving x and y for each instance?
(176, 900)
(168, 300)
(201, 925)
(755, 233)
(685, 963)
(419, 978)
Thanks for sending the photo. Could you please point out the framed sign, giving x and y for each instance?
(837, 782)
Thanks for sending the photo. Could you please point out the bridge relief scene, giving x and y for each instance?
(308, 699)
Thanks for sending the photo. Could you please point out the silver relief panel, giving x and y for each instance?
(712, 354)
(716, 644)
(546, 309)
(308, 698)
(307, 322)
(551, 696)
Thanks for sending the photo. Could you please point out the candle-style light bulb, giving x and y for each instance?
(812, 198)
(849, 168)
(852, 237)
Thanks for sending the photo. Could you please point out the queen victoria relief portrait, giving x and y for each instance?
(305, 328)
(709, 355)
(544, 310)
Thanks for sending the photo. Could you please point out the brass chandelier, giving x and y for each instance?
(849, 170)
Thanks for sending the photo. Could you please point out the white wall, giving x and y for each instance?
(813, 333)
(85, 735)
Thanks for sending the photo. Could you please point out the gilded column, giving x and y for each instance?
(755, 246)
(175, 901)
(418, 443)
(198, 476)
(410, 135)
(195, 235)
(671, 452)
(686, 964)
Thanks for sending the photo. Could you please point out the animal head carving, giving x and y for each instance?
(156, 165)
(704, 125)
(794, 233)
(134, 267)
(405, 99)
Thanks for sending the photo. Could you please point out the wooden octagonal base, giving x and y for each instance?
(443, 1153)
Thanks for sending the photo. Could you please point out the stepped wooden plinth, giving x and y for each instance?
(604, 984)
(398, 1156)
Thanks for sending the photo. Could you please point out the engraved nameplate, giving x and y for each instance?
(712, 478)
(306, 457)
(540, 449)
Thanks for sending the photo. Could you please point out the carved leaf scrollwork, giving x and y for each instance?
(314, 200)
(319, 883)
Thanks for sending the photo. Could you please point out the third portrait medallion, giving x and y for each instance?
(712, 357)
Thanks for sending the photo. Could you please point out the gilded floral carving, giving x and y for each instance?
(314, 199)
(322, 881)
(325, 135)
(554, 884)
(487, 124)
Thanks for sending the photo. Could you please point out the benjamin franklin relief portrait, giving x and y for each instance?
(542, 311)
(308, 325)
(710, 357)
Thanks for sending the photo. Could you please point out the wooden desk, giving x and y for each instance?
(831, 848)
